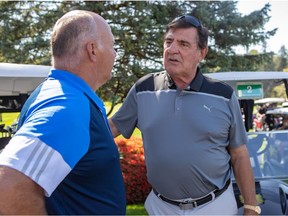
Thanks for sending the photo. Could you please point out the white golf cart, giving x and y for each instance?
(268, 148)
(252, 88)
(17, 81)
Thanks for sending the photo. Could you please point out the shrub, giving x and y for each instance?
(133, 169)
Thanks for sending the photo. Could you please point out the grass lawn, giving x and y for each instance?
(136, 210)
(8, 118)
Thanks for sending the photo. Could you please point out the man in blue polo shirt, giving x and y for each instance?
(63, 159)
(192, 131)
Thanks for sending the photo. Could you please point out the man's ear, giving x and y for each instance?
(204, 52)
(92, 50)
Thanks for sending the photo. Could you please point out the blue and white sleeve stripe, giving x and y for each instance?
(36, 160)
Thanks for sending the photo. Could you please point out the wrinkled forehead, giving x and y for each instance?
(182, 33)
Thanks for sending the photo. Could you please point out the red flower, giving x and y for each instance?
(133, 168)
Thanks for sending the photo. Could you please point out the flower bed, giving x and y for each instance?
(133, 169)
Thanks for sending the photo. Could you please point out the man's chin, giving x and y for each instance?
(109, 77)
(171, 70)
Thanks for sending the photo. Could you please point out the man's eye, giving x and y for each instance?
(185, 44)
(168, 42)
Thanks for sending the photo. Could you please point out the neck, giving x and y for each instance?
(182, 82)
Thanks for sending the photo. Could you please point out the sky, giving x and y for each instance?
(279, 19)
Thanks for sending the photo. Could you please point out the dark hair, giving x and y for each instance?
(188, 21)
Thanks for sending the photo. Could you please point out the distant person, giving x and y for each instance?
(263, 109)
(259, 118)
(280, 139)
(192, 130)
(63, 160)
(284, 125)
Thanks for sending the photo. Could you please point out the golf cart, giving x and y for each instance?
(252, 88)
(17, 81)
(268, 148)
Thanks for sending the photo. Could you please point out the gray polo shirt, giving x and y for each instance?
(185, 133)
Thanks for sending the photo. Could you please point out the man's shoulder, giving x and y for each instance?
(213, 81)
(149, 76)
(217, 87)
(149, 82)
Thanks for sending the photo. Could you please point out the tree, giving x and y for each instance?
(283, 58)
(24, 36)
(138, 27)
(138, 30)
(229, 29)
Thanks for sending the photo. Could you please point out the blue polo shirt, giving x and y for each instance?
(65, 145)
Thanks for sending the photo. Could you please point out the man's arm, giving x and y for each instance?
(19, 195)
(243, 173)
(114, 129)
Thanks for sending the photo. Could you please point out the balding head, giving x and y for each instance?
(71, 32)
(82, 43)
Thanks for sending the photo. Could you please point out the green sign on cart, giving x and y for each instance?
(250, 90)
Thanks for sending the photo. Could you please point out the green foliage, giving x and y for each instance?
(283, 62)
(138, 31)
(24, 33)
(228, 30)
(138, 26)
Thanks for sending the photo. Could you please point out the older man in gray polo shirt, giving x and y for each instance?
(192, 131)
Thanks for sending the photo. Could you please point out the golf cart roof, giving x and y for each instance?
(266, 79)
(269, 100)
(249, 75)
(18, 79)
(281, 111)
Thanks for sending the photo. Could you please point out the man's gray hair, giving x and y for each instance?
(70, 34)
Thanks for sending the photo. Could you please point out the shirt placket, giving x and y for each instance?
(178, 103)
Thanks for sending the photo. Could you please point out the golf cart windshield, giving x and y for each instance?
(252, 89)
(268, 153)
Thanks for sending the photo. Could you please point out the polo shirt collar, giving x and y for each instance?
(79, 84)
(170, 82)
(195, 85)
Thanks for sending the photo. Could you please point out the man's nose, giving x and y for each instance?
(173, 48)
